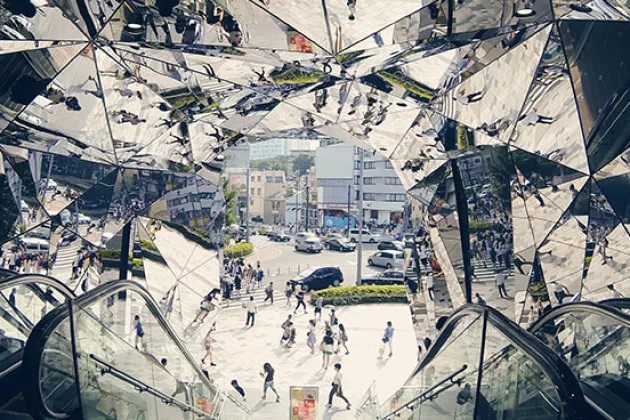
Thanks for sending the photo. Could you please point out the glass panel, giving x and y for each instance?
(512, 385)
(596, 348)
(462, 348)
(112, 373)
(56, 373)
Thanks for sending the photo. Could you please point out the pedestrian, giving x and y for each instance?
(333, 318)
(388, 338)
(252, 309)
(269, 292)
(500, 282)
(560, 291)
(337, 388)
(430, 286)
(238, 285)
(76, 265)
(311, 337)
(12, 297)
(139, 334)
(480, 301)
(238, 389)
(260, 274)
(288, 291)
(268, 374)
(616, 293)
(326, 347)
(292, 335)
(342, 340)
(285, 330)
(207, 343)
(319, 304)
(204, 309)
(300, 299)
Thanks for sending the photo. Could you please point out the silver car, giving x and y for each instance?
(309, 245)
(387, 259)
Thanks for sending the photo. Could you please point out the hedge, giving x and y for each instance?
(148, 245)
(475, 227)
(367, 294)
(241, 249)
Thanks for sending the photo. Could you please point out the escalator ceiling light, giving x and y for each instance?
(580, 8)
(525, 12)
(134, 26)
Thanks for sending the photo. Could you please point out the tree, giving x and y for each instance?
(231, 202)
(501, 172)
(303, 162)
(277, 163)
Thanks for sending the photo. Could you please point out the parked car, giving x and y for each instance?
(367, 236)
(35, 244)
(387, 259)
(391, 245)
(318, 278)
(342, 245)
(331, 236)
(280, 237)
(302, 236)
(385, 278)
(257, 219)
(309, 245)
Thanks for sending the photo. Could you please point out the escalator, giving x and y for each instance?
(24, 300)
(594, 341)
(483, 366)
(112, 374)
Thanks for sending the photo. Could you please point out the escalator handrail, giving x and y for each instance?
(568, 388)
(42, 331)
(607, 308)
(22, 279)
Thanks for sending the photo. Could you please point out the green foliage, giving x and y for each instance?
(231, 203)
(501, 171)
(303, 162)
(479, 226)
(148, 245)
(295, 76)
(365, 294)
(413, 87)
(137, 264)
(462, 137)
(108, 254)
(538, 290)
(241, 249)
(277, 163)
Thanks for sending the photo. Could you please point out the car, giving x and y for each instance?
(391, 245)
(388, 277)
(302, 236)
(342, 245)
(387, 259)
(318, 278)
(331, 236)
(309, 245)
(257, 219)
(366, 236)
(84, 220)
(282, 237)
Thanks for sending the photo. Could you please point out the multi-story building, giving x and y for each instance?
(383, 194)
(264, 197)
(281, 147)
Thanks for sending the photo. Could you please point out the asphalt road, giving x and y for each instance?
(282, 261)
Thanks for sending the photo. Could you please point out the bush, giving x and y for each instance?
(479, 226)
(148, 245)
(108, 254)
(366, 294)
(241, 249)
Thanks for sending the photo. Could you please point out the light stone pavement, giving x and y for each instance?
(241, 352)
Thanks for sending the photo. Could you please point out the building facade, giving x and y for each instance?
(281, 147)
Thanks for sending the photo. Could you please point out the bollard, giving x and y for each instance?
(278, 270)
(299, 269)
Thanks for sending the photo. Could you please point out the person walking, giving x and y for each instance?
(500, 282)
(300, 299)
(388, 338)
(616, 294)
(337, 389)
(12, 297)
(252, 309)
(342, 339)
(139, 339)
(288, 291)
(292, 335)
(268, 373)
(430, 286)
(560, 291)
(238, 389)
(327, 348)
(311, 337)
(260, 274)
(207, 343)
(269, 292)
(319, 304)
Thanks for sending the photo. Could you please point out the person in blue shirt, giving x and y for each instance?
(388, 338)
(139, 334)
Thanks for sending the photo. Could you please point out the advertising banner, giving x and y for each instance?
(304, 400)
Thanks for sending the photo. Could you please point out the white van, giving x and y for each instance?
(35, 245)
(302, 236)
(367, 236)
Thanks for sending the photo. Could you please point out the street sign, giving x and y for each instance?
(304, 400)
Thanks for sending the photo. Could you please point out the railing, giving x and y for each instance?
(143, 387)
(367, 409)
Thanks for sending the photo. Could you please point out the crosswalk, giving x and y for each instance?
(486, 273)
(259, 295)
(62, 269)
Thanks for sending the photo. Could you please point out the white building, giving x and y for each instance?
(338, 173)
(281, 147)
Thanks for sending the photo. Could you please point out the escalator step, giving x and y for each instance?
(14, 409)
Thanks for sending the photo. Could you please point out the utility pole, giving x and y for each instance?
(360, 220)
(348, 214)
(307, 200)
(248, 173)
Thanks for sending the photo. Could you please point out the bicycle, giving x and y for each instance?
(347, 299)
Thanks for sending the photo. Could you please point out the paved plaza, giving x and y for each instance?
(240, 353)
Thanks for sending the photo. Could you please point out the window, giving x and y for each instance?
(277, 179)
(369, 181)
(259, 192)
(268, 179)
(259, 178)
(369, 165)
(389, 165)
(392, 181)
(395, 197)
(357, 179)
(357, 164)
(253, 178)
(356, 195)
(252, 191)
(251, 202)
(369, 196)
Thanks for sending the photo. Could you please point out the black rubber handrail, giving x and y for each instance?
(608, 308)
(619, 303)
(36, 343)
(25, 279)
(566, 384)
